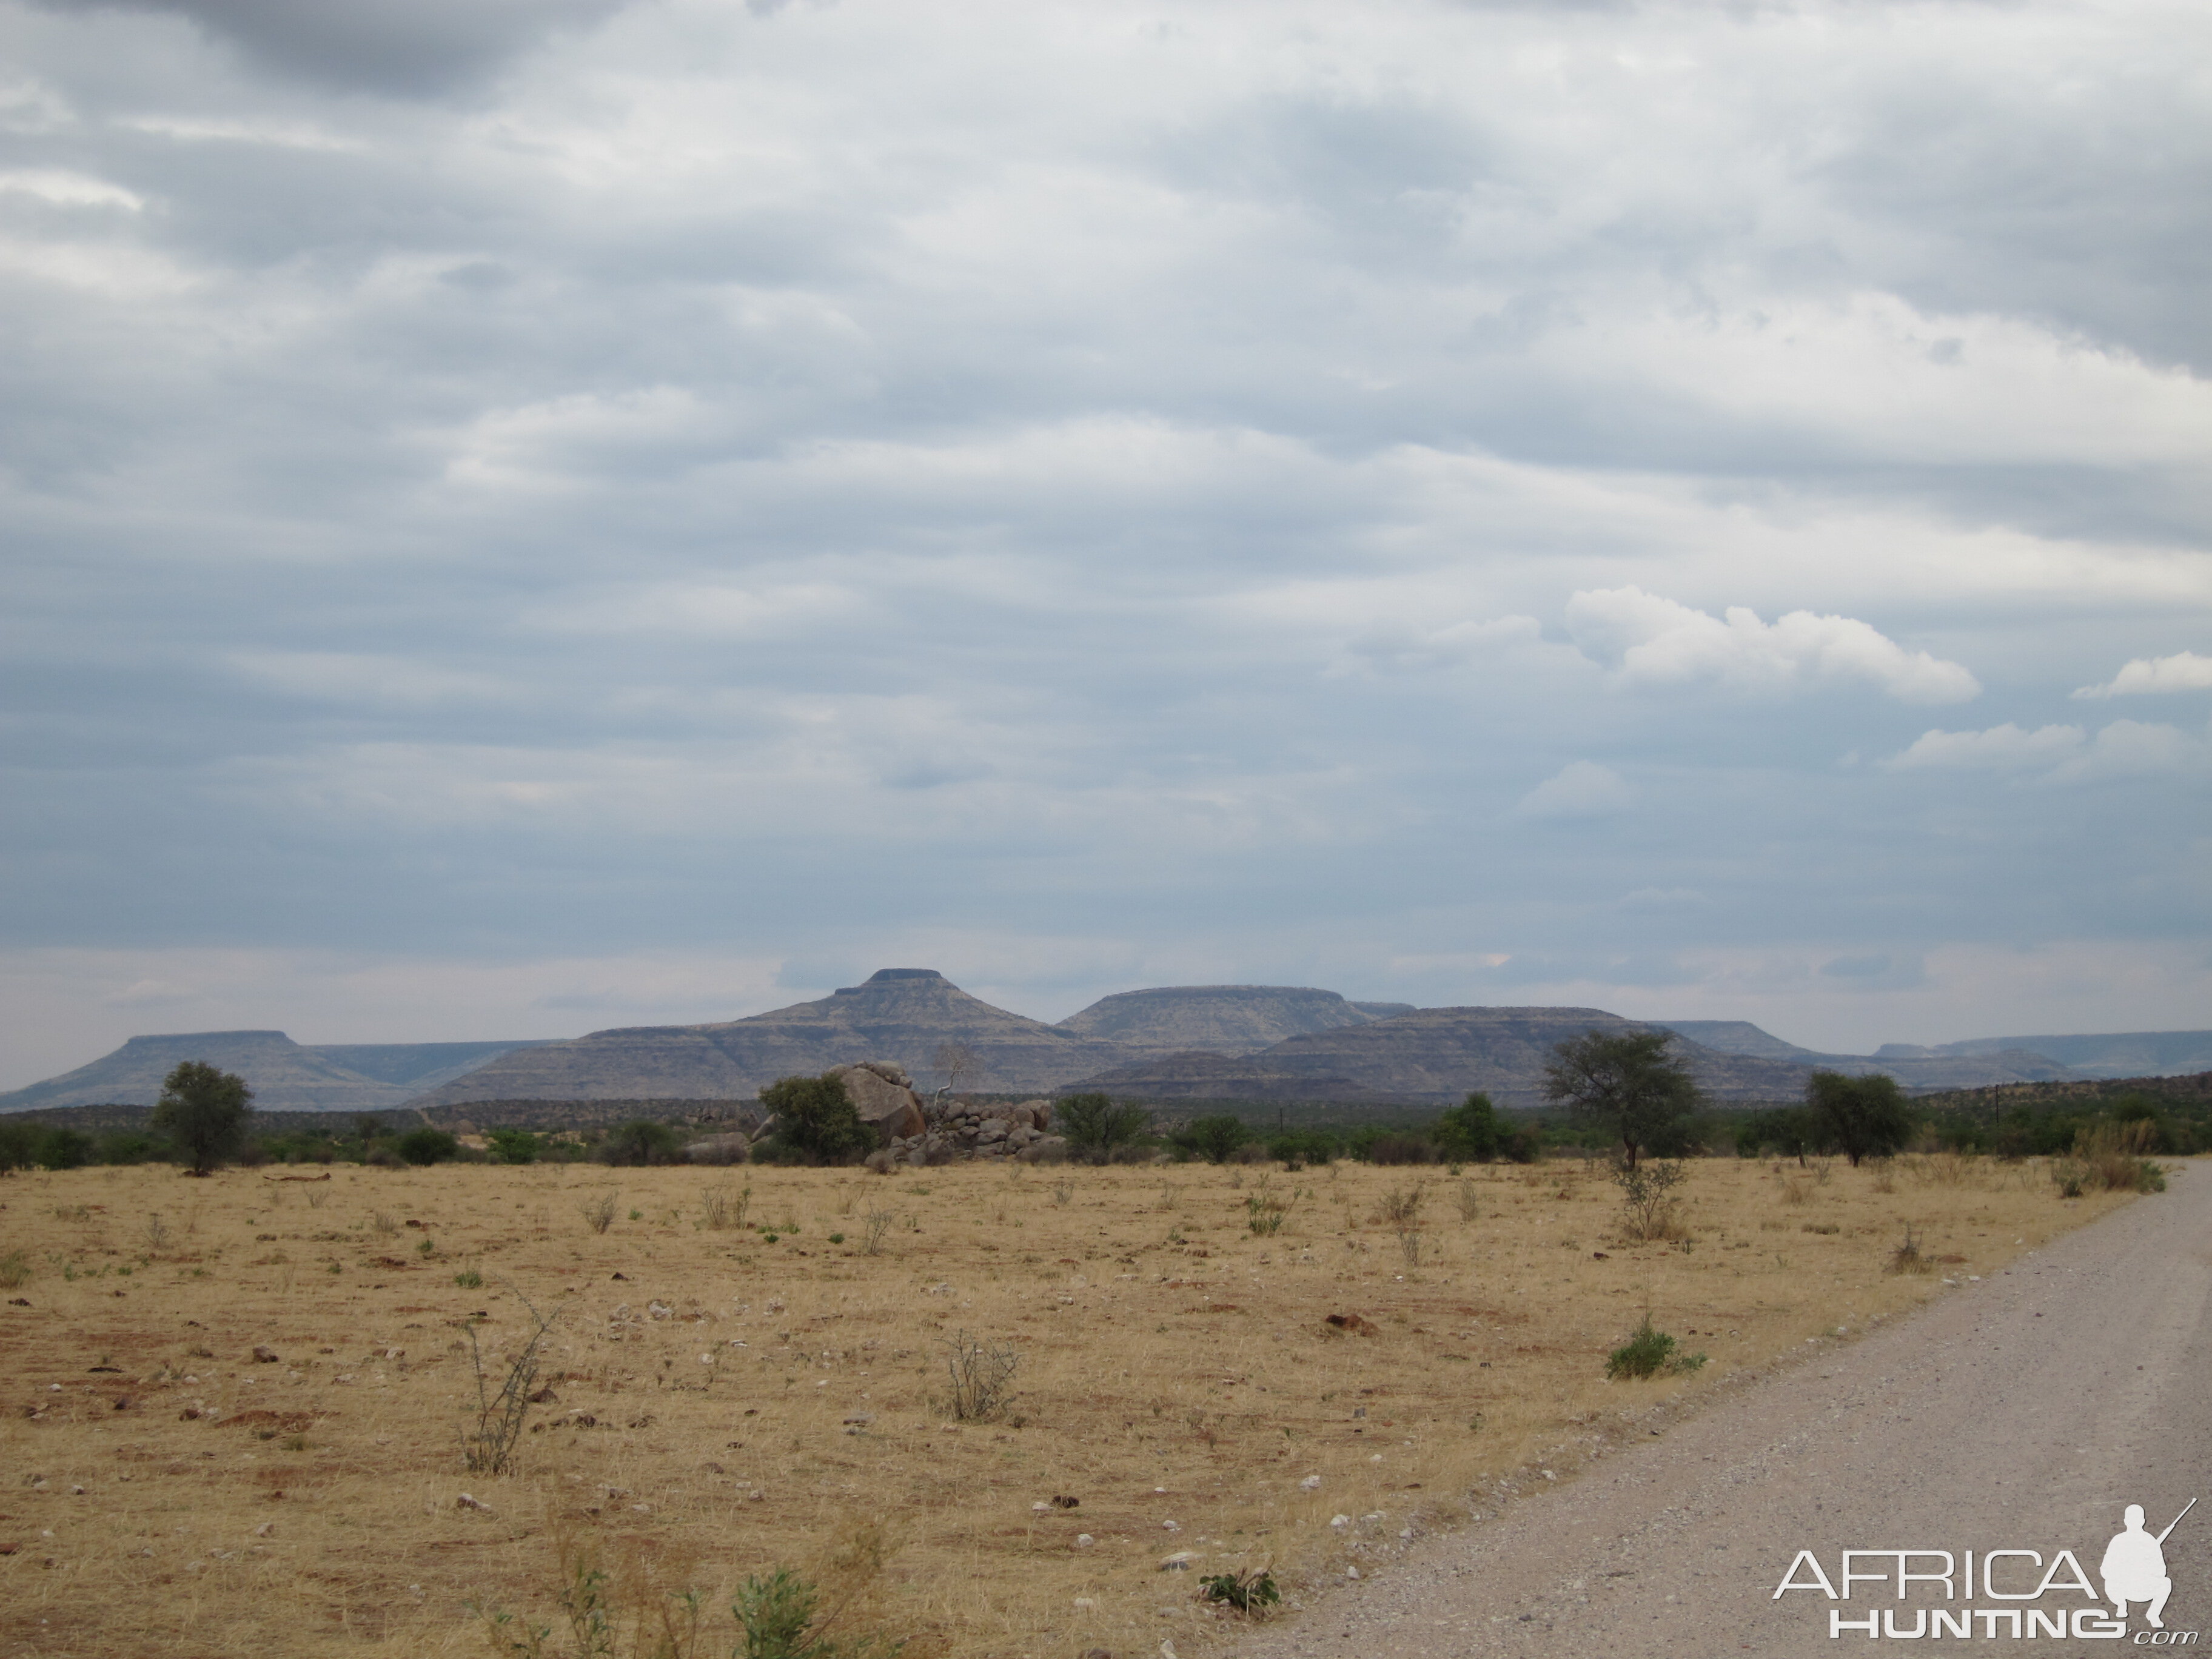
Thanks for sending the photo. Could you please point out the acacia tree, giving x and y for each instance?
(204, 1110)
(1864, 1116)
(1628, 1085)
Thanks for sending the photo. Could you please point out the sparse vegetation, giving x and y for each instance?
(815, 1120)
(601, 1209)
(1907, 1258)
(708, 1337)
(501, 1410)
(1652, 1214)
(722, 1208)
(982, 1375)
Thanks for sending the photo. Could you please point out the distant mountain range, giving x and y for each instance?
(1183, 1043)
(285, 1076)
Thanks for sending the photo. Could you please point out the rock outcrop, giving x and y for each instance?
(967, 1129)
(883, 1095)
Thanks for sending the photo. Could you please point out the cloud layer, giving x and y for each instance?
(1085, 499)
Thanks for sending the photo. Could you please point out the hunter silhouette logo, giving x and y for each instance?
(2132, 1569)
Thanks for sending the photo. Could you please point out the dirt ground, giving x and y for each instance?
(727, 1400)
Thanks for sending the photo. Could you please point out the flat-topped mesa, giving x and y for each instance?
(1220, 1020)
(906, 1017)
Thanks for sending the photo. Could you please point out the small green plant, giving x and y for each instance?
(157, 1231)
(468, 1279)
(877, 1223)
(15, 1270)
(1649, 1353)
(298, 1442)
(427, 1247)
(385, 1225)
(981, 1373)
(599, 1210)
(837, 1238)
(637, 1215)
(1251, 1591)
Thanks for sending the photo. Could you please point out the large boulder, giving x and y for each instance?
(883, 1094)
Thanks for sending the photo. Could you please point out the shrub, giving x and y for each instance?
(814, 1117)
(1214, 1138)
(19, 1145)
(1628, 1087)
(512, 1145)
(65, 1148)
(15, 1270)
(1646, 1192)
(1250, 1592)
(2110, 1157)
(981, 1373)
(428, 1145)
(1907, 1258)
(598, 1211)
(500, 1410)
(721, 1209)
(1471, 1131)
(1095, 1127)
(1397, 1148)
(1648, 1352)
(383, 1157)
(641, 1142)
(1297, 1148)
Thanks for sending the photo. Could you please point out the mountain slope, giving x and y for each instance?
(283, 1075)
(902, 1014)
(1437, 1056)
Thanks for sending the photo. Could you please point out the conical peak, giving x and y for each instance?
(897, 978)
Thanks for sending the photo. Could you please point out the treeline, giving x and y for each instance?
(366, 1140)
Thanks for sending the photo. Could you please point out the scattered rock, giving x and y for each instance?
(1179, 1562)
(544, 1396)
(883, 1095)
(465, 1502)
(1059, 1503)
(1312, 1483)
(1352, 1324)
(264, 1354)
(1083, 1540)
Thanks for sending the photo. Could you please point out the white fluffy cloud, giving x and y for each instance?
(2183, 672)
(1647, 640)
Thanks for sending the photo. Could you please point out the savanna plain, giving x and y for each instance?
(237, 1409)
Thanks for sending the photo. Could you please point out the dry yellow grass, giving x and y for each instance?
(726, 1404)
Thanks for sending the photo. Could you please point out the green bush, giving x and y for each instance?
(1095, 1127)
(1214, 1138)
(1248, 1591)
(428, 1145)
(1471, 1131)
(65, 1149)
(814, 1118)
(1648, 1352)
(512, 1145)
(641, 1141)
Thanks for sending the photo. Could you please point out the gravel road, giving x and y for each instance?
(2023, 1411)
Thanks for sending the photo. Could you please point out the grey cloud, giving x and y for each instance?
(401, 48)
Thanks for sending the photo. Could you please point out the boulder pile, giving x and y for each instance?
(971, 1130)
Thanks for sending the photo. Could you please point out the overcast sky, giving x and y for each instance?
(522, 516)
